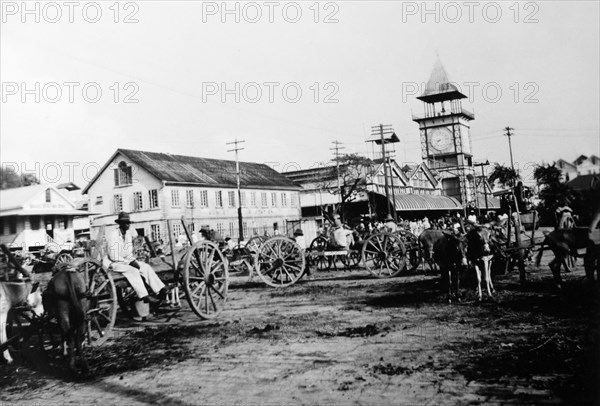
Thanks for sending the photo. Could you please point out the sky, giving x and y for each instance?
(80, 80)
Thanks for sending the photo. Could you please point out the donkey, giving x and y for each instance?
(67, 298)
(479, 253)
(449, 252)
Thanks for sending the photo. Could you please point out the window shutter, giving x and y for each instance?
(116, 177)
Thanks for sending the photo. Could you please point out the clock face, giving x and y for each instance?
(441, 140)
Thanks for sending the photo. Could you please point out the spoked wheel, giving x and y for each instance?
(570, 261)
(414, 255)
(205, 279)
(317, 248)
(26, 331)
(253, 244)
(64, 257)
(102, 310)
(280, 262)
(384, 255)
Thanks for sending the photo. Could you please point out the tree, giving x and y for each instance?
(504, 176)
(9, 178)
(353, 170)
(553, 192)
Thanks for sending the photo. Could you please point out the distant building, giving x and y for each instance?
(413, 190)
(34, 216)
(156, 187)
(583, 165)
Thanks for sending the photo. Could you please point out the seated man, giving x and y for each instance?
(122, 260)
(342, 237)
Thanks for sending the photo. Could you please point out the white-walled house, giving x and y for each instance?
(156, 187)
(36, 215)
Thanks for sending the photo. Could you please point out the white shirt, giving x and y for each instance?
(340, 235)
(119, 247)
(301, 241)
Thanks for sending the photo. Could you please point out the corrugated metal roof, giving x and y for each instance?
(414, 202)
(17, 197)
(180, 169)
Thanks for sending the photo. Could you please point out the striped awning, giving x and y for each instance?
(414, 202)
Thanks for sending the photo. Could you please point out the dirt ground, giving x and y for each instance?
(345, 338)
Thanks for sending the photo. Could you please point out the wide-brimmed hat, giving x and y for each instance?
(298, 232)
(123, 218)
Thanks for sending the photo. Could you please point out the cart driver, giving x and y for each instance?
(122, 260)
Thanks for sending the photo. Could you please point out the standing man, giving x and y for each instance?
(122, 260)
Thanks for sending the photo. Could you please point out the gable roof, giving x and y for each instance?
(188, 170)
(15, 202)
(16, 198)
(561, 163)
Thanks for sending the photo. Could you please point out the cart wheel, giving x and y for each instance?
(64, 257)
(280, 262)
(570, 261)
(253, 244)
(102, 311)
(26, 331)
(205, 279)
(317, 247)
(384, 255)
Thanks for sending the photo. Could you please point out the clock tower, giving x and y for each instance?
(445, 135)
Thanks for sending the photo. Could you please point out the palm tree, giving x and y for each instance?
(504, 176)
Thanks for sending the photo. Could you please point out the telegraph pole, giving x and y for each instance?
(237, 170)
(509, 134)
(336, 150)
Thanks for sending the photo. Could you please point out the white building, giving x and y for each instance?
(36, 215)
(156, 187)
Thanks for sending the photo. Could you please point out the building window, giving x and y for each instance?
(138, 202)
(176, 230)
(123, 174)
(175, 197)
(155, 232)
(48, 195)
(232, 230)
(231, 198)
(253, 199)
(219, 198)
(204, 198)
(99, 200)
(263, 199)
(274, 199)
(243, 199)
(294, 200)
(118, 204)
(284, 199)
(245, 228)
(62, 223)
(153, 198)
(34, 221)
(220, 229)
(189, 198)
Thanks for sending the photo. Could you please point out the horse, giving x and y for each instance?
(479, 253)
(66, 297)
(567, 241)
(449, 252)
(13, 294)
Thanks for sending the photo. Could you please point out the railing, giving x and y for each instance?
(465, 112)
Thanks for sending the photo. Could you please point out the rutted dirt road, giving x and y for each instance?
(345, 338)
